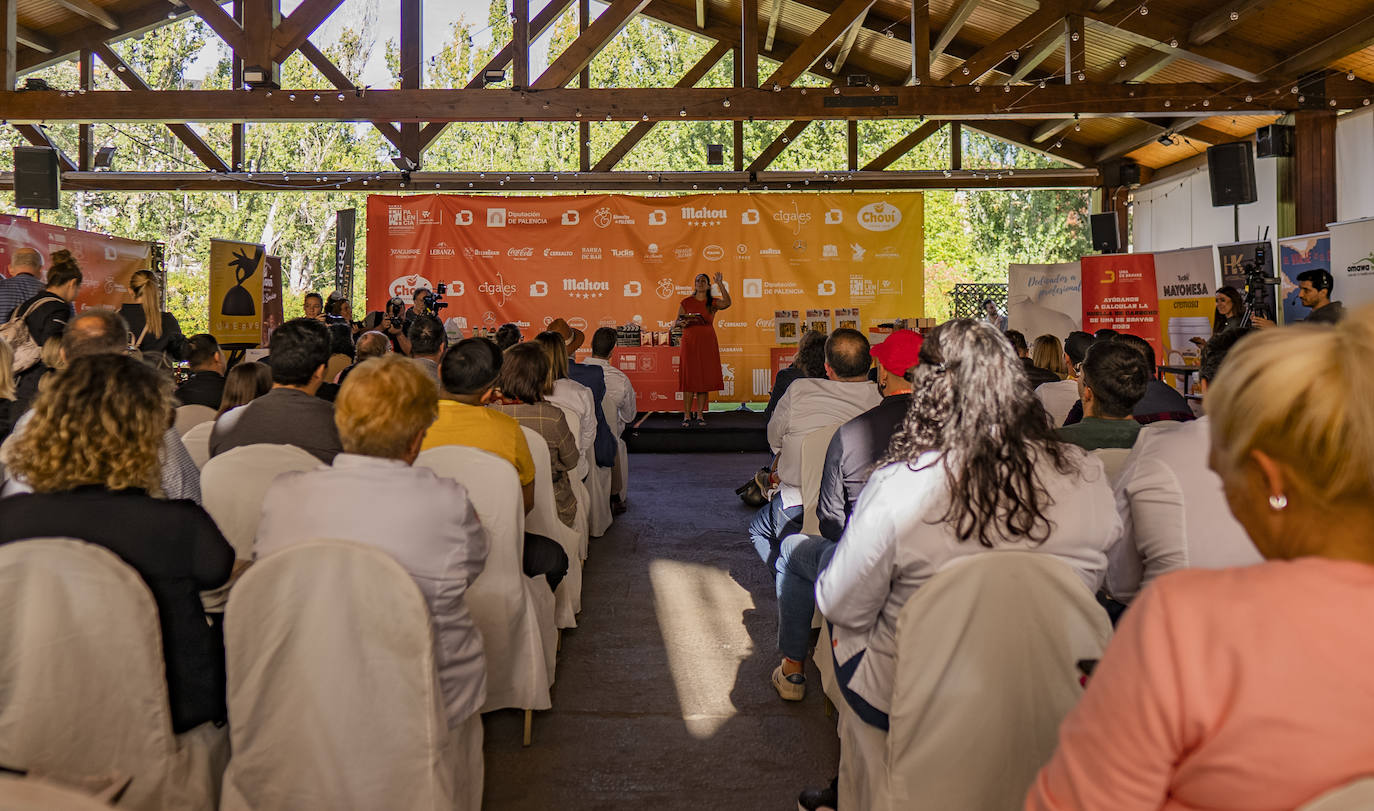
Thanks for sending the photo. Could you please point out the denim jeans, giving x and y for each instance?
(801, 559)
(770, 525)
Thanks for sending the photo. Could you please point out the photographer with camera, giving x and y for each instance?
(392, 324)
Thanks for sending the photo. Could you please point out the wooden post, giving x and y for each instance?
(9, 45)
(1314, 164)
(584, 127)
(853, 140)
(920, 42)
(237, 131)
(260, 21)
(739, 146)
(412, 69)
(1075, 48)
(749, 43)
(521, 37)
(956, 145)
(85, 158)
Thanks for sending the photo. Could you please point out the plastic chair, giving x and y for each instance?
(544, 520)
(83, 684)
(334, 697)
(1113, 461)
(598, 483)
(813, 448)
(985, 673)
(623, 460)
(189, 416)
(37, 794)
(197, 442)
(1357, 795)
(513, 612)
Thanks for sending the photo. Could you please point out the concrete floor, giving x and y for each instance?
(662, 697)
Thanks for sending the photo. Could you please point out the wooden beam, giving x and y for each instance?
(956, 145)
(774, 149)
(1322, 54)
(1144, 133)
(37, 136)
(220, 22)
(1019, 134)
(774, 12)
(238, 132)
(412, 68)
(852, 144)
(638, 131)
(995, 52)
(1049, 129)
(541, 22)
(1220, 21)
(1037, 52)
(584, 127)
(1212, 137)
(1145, 66)
(847, 42)
(33, 39)
(520, 42)
(340, 80)
(91, 11)
(818, 42)
(260, 21)
(297, 28)
(85, 145)
(183, 132)
(908, 143)
(701, 13)
(920, 42)
(153, 14)
(737, 130)
(749, 43)
(1314, 167)
(955, 22)
(589, 43)
(9, 44)
(1075, 49)
(1159, 29)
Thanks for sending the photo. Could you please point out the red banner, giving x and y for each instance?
(106, 262)
(653, 374)
(1119, 292)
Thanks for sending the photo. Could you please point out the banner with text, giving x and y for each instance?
(236, 287)
(1045, 299)
(1119, 292)
(272, 315)
(1233, 259)
(1352, 262)
(1297, 255)
(106, 262)
(1187, 283)
(610, 260)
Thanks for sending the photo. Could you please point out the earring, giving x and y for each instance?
(1278, 502)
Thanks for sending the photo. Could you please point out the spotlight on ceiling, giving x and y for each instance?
(104, 158)
(493, 76)
(715, 154)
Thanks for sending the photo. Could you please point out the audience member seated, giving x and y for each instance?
(24, 282)
(157, 334)
(594, 378)
(90, 450)
(371, 344)
(469, 374)
(1161, 401)
(245, 383)
(524, 376)
(1113, 381)
(563, 391)
(1048, 353)
(508, 335)
(1248, 687)
(341, 349)
(46, 315)
(289, 414)
(810, 404)
(1059, 397)
(620, 393)
(427, 343)
(205, 385)
(1172, 505)
(1035, 374)
(808, 362)
(383, 412)
(856, 446)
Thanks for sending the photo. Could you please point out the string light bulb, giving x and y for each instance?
(1235, 15)
(1121, 63)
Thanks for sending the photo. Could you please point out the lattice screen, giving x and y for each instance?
(969, 298)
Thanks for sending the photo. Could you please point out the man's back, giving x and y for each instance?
(850, 458)
(1161, 402)
(15, 291)
(283, 416)
(620, 391)
(809, 404)
(594, 378)
(204, 388)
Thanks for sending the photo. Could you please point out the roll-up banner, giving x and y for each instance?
(1045, 299)
(1119, 292)
(1297, 255)
(1352, 262)
(236, 287)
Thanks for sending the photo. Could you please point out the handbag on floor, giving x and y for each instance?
(753, 492)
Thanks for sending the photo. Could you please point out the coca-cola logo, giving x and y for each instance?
(520, 253)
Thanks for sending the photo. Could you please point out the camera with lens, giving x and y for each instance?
(1258, 287)
(436, 299)
(396, 311)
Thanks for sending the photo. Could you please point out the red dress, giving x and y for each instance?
(699, 369)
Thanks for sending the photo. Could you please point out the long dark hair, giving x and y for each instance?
(710, 299)
(1220, 321)
(973, 404)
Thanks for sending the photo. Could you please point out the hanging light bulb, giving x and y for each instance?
(1144, 11)
(1121, 63)
(1015, 54)
(1235, 15)
(1074, 36)
(1173, 43)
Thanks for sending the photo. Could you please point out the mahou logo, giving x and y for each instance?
(405, 286)
(880, 216)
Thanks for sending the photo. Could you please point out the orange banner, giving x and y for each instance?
(611, 260)
(106, 262)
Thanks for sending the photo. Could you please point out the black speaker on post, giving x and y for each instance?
(1105, 232)
(36, 183)
(1231, 170)
(1274, 141)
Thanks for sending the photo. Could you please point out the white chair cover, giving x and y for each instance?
(83, 684)
(543, 520)
(197, 442)
(598, 501)
(623, 460)
(233, 486)
(36, 794)
(334, 695)
(986, 671)
(1354, 796)
(189, 416)
(814, 446)
(1113, 460)
(513, 612)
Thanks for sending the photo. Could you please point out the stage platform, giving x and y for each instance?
(725, 432)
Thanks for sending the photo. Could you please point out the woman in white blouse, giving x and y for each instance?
(572, 397)
(975, 434)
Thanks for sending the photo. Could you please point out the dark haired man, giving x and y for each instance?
(618, 405)
(289, 414)
(1036, 375)
(1314, 290)
(427, 343)
(1113, 381)
(468, 378)
(205, 385)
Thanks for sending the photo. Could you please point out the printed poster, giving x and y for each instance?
(1352, 262)
(106, 262)
(1296, 255)
(1233, 259)
(1045, 299)
(236, 293)
(788, 326)
(272, 314)
(1119, 292)
(1187, 282)
(818, 321)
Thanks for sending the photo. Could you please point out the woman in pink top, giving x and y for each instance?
(1250, 688)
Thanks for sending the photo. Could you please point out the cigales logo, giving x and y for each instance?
(796, 218)
(880, 216)
(498, 288)
(405, 285)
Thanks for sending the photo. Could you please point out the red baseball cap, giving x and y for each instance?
(899, 351)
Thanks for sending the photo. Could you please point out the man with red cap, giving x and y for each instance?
(855, 447)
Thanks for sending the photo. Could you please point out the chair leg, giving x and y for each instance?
(558, 646)
(529, 728)
(829, 708)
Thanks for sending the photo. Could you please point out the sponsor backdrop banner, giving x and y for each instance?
(1119, 292)
(1352, 262)
(608, 260)
(1298, 254)
(1045, 299)
(272, 315)
(1187, 282)
(106, 262)
(1233, 258)
(236, 293)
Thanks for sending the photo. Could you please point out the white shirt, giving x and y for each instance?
(809, 404)
(422, 520)
(897, 539)
(1173, 511)
(619, 392)
(570, 395)
(1058, 399)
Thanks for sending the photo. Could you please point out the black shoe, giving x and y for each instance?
(820, 799)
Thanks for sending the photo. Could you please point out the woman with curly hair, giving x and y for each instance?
(91, 454)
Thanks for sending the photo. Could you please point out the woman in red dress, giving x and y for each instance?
(699, 370)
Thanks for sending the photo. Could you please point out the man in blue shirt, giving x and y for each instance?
(25, 281)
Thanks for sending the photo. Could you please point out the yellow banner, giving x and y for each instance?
(236, 293)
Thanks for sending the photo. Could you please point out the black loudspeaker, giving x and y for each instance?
(1106, 236)
(1120, 172)
(1274, 141)
(36, 183)
(1231, 169)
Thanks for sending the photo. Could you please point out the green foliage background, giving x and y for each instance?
(970, 235)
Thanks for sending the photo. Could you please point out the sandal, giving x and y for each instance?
(686, 422)
(701, 421)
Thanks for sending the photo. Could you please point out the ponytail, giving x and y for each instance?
(63, 269)
(144, 286)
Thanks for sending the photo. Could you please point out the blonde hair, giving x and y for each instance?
(6, 371)
(144, 286)
(100, 421)
(384, 403)
(1049, 354)
(1303, 395)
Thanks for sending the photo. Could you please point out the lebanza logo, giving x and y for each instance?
(880, 216)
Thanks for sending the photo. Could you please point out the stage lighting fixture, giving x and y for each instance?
(257, 77)
(104, 158)
(404, 164)
(715, 154)
(858, 80)
(493, 76)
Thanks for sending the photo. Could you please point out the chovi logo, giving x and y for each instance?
(880, 216)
